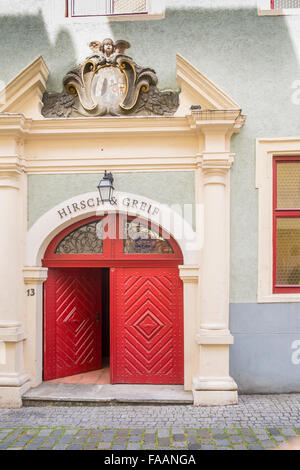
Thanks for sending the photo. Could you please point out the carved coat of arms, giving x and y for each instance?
(110, 83)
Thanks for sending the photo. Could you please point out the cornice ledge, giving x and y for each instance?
(189, 273)
(14, 124)
(208, 92)
(224, 119)
(11, 166)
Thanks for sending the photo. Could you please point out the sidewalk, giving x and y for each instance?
(257, 422)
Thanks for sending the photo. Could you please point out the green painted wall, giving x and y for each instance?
(45, 191)
(254, 59)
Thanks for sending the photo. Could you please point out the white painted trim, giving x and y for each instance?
(265, 150)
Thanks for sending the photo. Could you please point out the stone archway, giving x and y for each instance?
(78, 209)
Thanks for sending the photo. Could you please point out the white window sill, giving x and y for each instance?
(278, 298)
(285, 12)
(109, 18)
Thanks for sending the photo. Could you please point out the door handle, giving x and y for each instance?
(97, 316)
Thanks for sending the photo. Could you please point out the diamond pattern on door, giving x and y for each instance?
(72, 334)
(148, 326)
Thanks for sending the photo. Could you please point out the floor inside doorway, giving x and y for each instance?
(97, 377)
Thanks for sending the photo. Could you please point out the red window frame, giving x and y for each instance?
(109, 10)
(113, 255)
(277, 214)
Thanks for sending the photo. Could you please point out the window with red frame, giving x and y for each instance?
(283, 4)
(286, 224)
(83, 8)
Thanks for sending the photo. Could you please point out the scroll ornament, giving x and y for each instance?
(110, 83)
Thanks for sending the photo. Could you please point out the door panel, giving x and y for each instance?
(146, 326)
(72, 323)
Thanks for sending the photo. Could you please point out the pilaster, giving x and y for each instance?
(190, 277)
(34, 277)
(13, 379)
(212, 385)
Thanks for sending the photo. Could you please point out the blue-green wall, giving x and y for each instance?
(254, 58)
(166, 187)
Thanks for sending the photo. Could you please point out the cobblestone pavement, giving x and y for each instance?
(257, 422)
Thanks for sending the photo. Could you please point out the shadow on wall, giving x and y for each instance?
(23, 38)
(251, 57)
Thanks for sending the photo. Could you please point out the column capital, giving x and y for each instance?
(189, 273)
(35, 275)
(11, 169)
(217, 161)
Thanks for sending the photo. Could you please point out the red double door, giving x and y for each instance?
(146, 322)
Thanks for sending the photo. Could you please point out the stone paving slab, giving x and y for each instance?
(83, 439)
(245, 426)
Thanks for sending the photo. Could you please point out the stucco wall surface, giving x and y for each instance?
(170, 188)
(254, 59)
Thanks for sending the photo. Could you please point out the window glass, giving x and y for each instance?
(288, 251)
(282, 4)
(288, 185)
(88, 7)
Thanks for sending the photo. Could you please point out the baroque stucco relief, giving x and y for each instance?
(110, 83)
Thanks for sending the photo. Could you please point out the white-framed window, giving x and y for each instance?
(278, 7)
(114, 9)
(278, 219)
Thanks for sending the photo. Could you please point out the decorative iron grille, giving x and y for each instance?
(129, 6)
(86, 239)
(282, 4)
(288, 251)
(141, 239)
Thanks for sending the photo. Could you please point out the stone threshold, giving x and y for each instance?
(61, 394)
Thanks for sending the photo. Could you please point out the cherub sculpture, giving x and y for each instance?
(108, 50)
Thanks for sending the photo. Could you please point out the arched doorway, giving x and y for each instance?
(113, 288)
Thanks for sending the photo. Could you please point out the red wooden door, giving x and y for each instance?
(146, 326)
(72, 322)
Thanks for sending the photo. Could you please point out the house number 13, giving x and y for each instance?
(30, 292)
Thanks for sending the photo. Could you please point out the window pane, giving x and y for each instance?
(140, 239)
(288, 251)
(87, 239)
(288, 185)
(130, 6)
(281, 4)
(88, 7)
